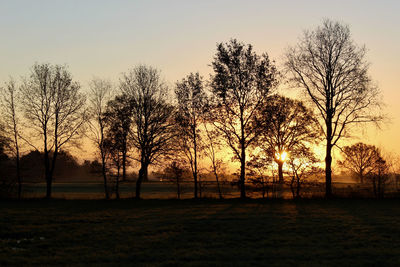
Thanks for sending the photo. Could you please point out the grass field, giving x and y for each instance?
(150, 190)
(165, 190)
(200, 233)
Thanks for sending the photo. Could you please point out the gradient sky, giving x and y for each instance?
(106, 38)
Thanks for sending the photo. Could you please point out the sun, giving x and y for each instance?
(281, 156)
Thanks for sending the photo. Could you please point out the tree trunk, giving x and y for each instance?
(280, 171)
(48, 179)
(361, 178)
(104, 171)
(178, 187)
(142, 177)
(328, 174)
(263, 186)
(218, 186)
(328, 161)
(117, 182)
(48, 187)
(292, 186)
(18, 175)
(298, 186)
(47, 174)
(51, 171)
(124, 165)
(195, 179)
(242, 171)
(195, 173)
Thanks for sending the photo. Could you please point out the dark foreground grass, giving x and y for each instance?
(203, 233)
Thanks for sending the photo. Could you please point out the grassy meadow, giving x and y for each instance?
(191, 232)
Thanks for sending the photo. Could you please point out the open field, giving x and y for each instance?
(166, 190)
(205, 232)
(150, 190)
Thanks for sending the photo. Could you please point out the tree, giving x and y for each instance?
(289, 128)
(303, 165)
(360, 159)
(9, 106)
(152, 117)
(174, 172)
(240, 85)
(257, 174)
(333, 72)
(210, 150)
(100, 94)
(55, 109)
(7, 182)
(190, 115)
(379, 176)
(113, 146)
(118, 117)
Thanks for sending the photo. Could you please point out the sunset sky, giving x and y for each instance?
(106, 38)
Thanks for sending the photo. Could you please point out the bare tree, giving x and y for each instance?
(333, 72)
(360, 159)
(303, 165)
(174, 172)
(289, 127)
(9, 107)
(152, 117)
(100, 94)
(7, 181)
(379, 176)
(210, 150)
(113, 147)
(257, 174)
(240, 85)
(55, 109)
(190, 115)
(118, 117)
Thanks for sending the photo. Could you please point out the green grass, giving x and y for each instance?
(200, 233)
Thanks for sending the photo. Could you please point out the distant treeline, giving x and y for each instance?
(67, 167)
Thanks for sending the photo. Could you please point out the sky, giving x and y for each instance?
(98, 38)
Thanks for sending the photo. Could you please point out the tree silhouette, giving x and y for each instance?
(174, 172)
(240, 85)
(189, 117)
(152, 124)
(118, 120)
(333, 72)
(360, 159)
(118, 117)
(303, 165)
(7, 181)
(55, 109)
(257, 173)
(289, 128)
(379, 176)
(100, 94)
(212, 144)
(9, 108)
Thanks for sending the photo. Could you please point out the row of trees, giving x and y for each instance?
(140, 121)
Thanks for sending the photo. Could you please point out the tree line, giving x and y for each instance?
(237, 108)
